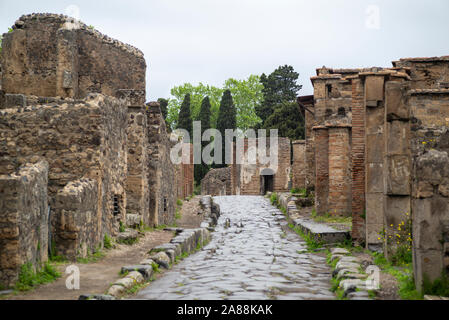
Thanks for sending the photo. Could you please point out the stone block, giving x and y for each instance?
(162, 259)
(116, 290)
(395, 101)
(374, 88)
(374, 177)
(374, 208)
(15, 101)
(146, 270)
(398, 177)
(126, 282)
(398, 138)
(136, 276)
(374, 148)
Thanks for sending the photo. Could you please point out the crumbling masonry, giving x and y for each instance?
(80, 152)
(380, 140)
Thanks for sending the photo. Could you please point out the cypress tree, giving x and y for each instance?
(227, 119)
(205, 114)
(184, 118)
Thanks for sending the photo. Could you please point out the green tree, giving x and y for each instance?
(288, 119)
(247, 94)
(185, 120)
(278, 87)
(163, 104)
(226, 120)
(205, 115)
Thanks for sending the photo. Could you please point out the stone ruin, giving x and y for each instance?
(376, 149)
(245, 177)
(80, 152)
(379, 144)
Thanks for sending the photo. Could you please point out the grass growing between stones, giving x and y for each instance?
(29, 278)
(311, 242)
(328, 218)
(403, 272)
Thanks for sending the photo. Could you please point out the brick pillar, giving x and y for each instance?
(322, 169)
(339, 171)
(358, 160)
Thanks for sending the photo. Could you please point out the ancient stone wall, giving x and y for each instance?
(308, 102)
(217, 182)
(431, 216)
(53, 55)
(23, 220)
(426, 73)
(76, 222)
(299, 169)
(246, 173)
(163, 190)
(79, 139)
(137, 181)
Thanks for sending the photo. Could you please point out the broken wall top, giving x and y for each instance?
(54, 55)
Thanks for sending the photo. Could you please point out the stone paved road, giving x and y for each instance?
(251, 259)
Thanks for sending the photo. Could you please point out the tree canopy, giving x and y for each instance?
(247, 94)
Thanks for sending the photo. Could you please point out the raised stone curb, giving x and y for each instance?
(185, 241)
(348, 271)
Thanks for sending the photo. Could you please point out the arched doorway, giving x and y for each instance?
(266, 180)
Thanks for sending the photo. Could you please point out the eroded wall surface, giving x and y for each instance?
(23, 220)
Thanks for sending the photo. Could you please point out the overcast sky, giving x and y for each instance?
(213, 40)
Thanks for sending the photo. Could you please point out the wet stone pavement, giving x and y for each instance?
(253, 258)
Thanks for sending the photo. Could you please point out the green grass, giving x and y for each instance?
(29, 278)
(404, 275)
(179, 202)
(311, 242)
(302, 192)
(274, 199)
(122, 227)
(439, 287)
(107, 241)
(327, 218)
(91, 257)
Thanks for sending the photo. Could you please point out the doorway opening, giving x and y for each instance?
(266, 181)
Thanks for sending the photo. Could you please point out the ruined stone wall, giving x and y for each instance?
(299, 164)
(429, 135)
(54, 55)
(431, 216)
(162, 178)
(246, 174)
(310, 147)
(426, 73)
(79, 139)
(23, 220)
(137, 181)
(76, 222)
(217, 182)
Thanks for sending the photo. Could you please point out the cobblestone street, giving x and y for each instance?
(249, 257)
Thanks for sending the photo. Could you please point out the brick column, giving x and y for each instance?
(358, 160)
(322, 169)
(339, 171)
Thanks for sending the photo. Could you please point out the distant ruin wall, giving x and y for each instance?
(52, 55)
(299, 169)
(217, 182)
(162, 172)
(23, 220)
